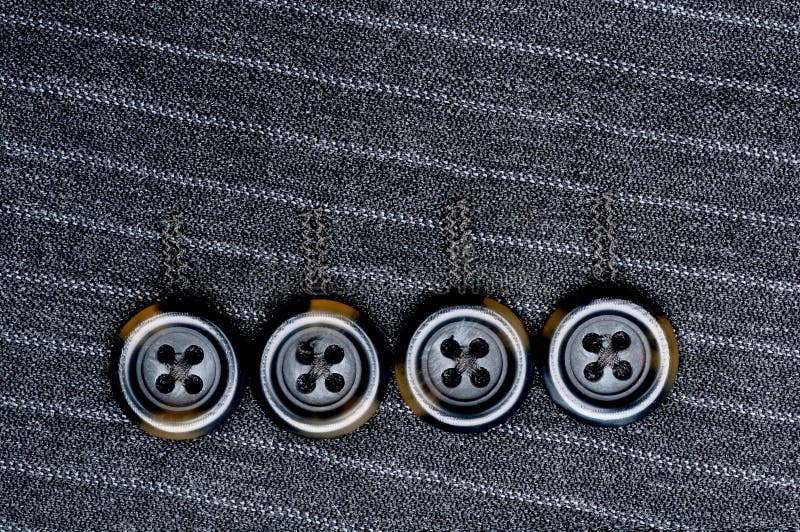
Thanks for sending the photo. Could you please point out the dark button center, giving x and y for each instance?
(607, 356)
(179, 368)
(466, 362)
(608, 349)
(320, 367)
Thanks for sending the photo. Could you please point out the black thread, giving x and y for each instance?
(178, 369)
(466, 361)
(317, 279)
(320, 367)
(460, 247)
(604, 240)
(174, 246)
(607, 348)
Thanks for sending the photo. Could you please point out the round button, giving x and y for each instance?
(467, 367)
(320, 373)
(610, 360)
(177, 373)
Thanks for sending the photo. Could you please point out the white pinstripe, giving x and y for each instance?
(400, 91)
(713, 210)
(361, 274)
(81, 93)
(369, 276)
(779, 285)
(162, 488)
(97, 349)
(736, 343)
(55, 409)
(374, 276)
(18, 149)
(667, 463)
(730, 406)
(98, 289)
(371, 467)
(710, 16)
(434, 477)
(553, 52)
(84, 92)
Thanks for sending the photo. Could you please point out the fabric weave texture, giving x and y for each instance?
(115, 116)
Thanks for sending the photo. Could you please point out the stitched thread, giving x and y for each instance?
(604, 240)
(317, 278)
(372, 276)
(613, 259)
(99, 349)
(174, 244)
(129, 293)
(285, 258)
(466, 358)
(460, 248)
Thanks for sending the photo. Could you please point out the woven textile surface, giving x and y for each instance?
(115, 116)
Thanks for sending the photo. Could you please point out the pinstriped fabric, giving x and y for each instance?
(240, 115)
(711, 15)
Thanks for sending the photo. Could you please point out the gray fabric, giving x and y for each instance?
(113, 117)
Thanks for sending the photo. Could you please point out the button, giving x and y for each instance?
(610, 360)
(176, 373)
(467, 367)
(320, 373)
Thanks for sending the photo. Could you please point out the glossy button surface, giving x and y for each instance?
(177, 373)
(610, 360)
(320, 373)
(466, 367)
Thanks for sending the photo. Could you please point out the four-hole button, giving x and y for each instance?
(610, 360)
(177, 373)
(467, 366)
(320, 373)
